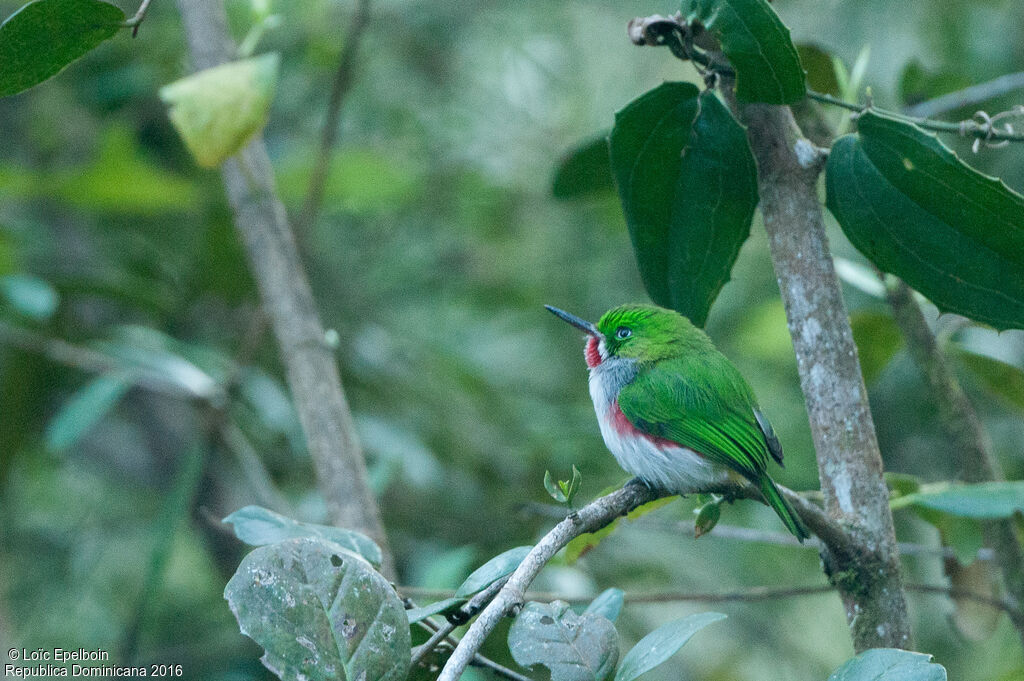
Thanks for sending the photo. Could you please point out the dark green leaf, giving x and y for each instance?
(584, 171)
(889, 664)
(757, 44)
(573, 647)
(1006, 381)
(439, 608)
(982, 500)
(688, 185)
(918, 84)
(320, 612)
(608, 604)
(493, 570)
(258, 526)
(661, 644)
(878, 340)
(43, 37)
(707, 517)
(821, 72)
(84, 410)
(915, 210)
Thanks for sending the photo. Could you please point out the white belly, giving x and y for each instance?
(674, 468)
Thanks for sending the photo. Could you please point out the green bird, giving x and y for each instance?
(674, 410)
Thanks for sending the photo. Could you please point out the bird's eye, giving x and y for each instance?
(623, 332)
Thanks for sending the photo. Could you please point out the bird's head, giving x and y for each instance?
(646, 333)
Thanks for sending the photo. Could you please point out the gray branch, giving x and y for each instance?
(849, 462)
(288, 300)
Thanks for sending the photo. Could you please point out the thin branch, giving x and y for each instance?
(466, 612)
(983, 129)
(137, 20)
(969, 96)
(344, 76)
(479, 660)
(746, 595)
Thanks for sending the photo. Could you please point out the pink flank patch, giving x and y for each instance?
(591, 352)
(625, 428)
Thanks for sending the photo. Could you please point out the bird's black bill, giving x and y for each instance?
(580, 324)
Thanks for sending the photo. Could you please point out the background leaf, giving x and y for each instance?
(494, 569)
(915, 210)
(758, 46)
(440, 607)
(981, 500)
(84, 410)
(43, 37)
(1003, 380)
(661, 644)
(218, 110)
(889, 664)
(608, 604)
(584, 171)
(574, 647)
(259, 526)
(688, 185)
(320, 612)
(878, 340)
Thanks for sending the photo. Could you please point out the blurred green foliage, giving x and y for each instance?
(438, 244)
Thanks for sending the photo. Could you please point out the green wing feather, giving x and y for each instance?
(703, 403)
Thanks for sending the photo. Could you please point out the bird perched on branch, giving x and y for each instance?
(674, 410)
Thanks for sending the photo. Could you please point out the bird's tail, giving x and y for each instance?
(780, 505)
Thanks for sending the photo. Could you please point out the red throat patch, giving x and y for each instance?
(592, 353)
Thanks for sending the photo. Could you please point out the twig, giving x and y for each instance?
(983, 129)
(136, 20)
(344, 76)
(479, 660)
(969, 96)
(746, 595)
(466, 612)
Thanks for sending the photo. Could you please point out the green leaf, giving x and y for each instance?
(985, 500)
(218, 110)
(918, 84)
(915, 210)
(31, 296)
(584, 171)
(574, 485)
(758, 46)
(573, 647)
(707, 517)
(878, 340)
(661, 644)
(43, 37)
(688, 186)
(820, 70)
(84, 410)
(493, 570)
(1003, 380)
(554, 488)
(608, 604)
(444, 607)
(321, 613)
(258, 526)
(889, 664)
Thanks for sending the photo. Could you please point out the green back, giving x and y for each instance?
(701, 401)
